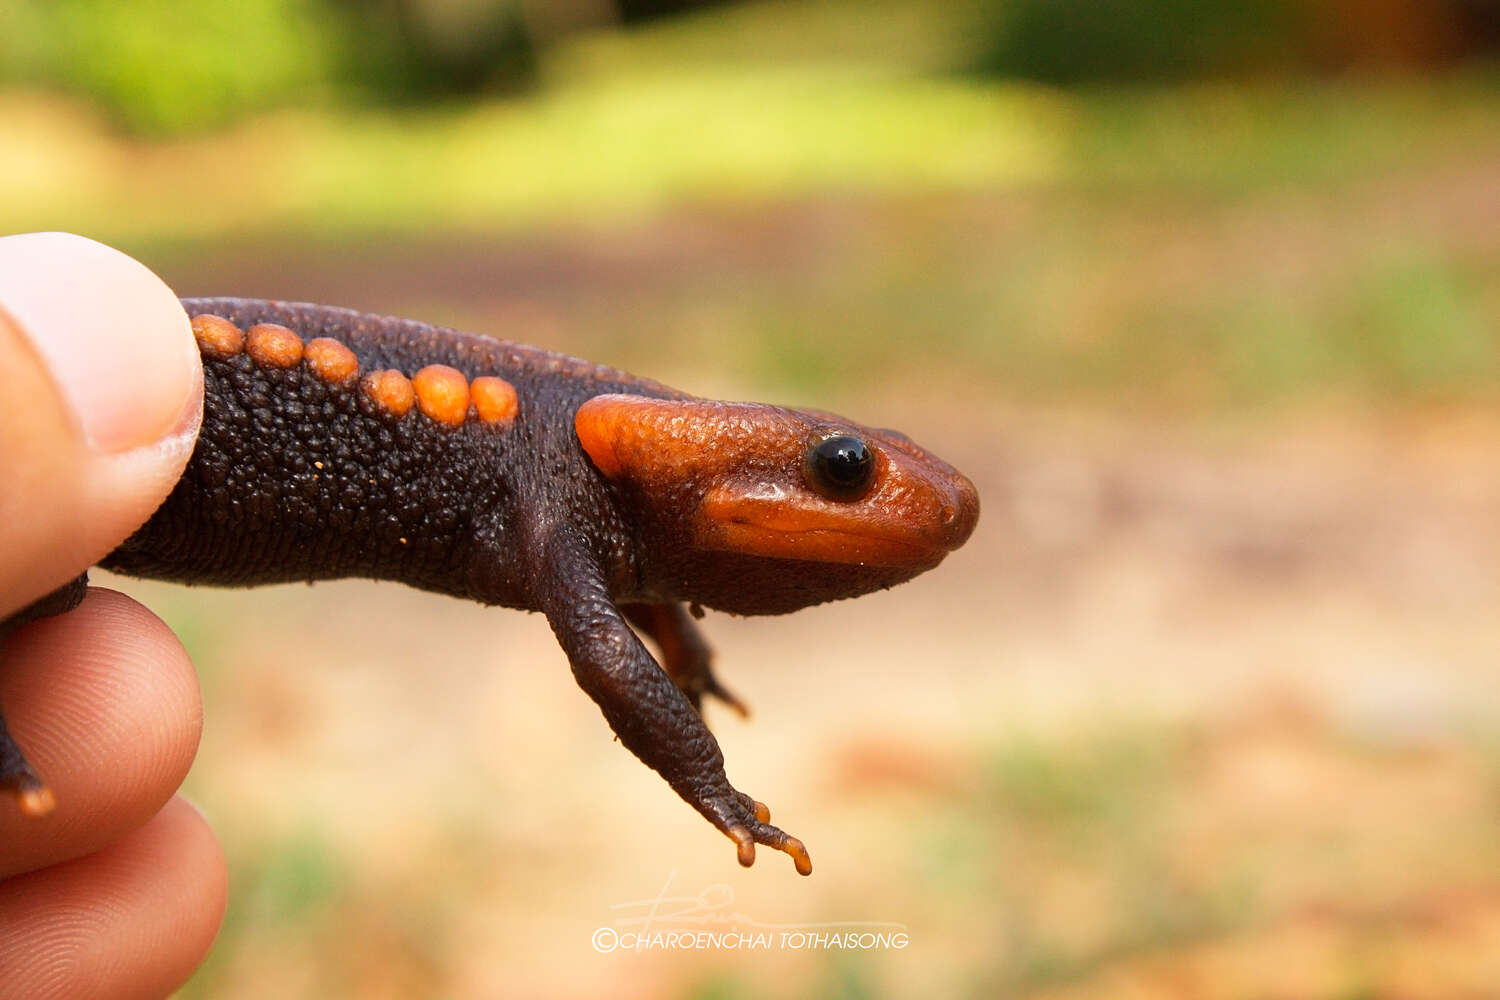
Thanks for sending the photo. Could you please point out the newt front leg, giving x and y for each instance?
(649, 713)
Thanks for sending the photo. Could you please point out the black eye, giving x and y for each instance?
(841, 467)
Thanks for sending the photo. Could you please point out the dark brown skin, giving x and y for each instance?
(337, 444)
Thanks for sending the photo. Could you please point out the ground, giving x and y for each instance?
(1205, 708)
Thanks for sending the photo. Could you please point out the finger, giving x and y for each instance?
(103, 392)
(132, 920)
(107, 706)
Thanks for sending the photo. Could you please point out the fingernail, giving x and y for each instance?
(112, 335)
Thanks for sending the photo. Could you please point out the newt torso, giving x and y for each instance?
(307, 473)
(337, 444)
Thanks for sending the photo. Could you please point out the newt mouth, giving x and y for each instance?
(817, 545)
(918, 532)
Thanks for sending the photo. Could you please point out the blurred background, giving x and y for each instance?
(1205, 297)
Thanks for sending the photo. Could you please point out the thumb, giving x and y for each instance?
(103, 396)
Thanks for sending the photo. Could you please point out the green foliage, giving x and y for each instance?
(1077, 41)
(1098, 786)
(644, 10)
(167, 65)
(1409, 325)
(163, 67)
(720, 985)
(293, 880)
(403, 51)
(1418, 326)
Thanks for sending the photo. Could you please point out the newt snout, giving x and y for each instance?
(946, 505)
(960, 514)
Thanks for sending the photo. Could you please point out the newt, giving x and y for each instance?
(339, 444)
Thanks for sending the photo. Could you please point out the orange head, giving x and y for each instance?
(759, 509)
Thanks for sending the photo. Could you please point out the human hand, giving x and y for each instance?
(120, 890)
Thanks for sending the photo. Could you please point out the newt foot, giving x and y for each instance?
(33, 798)
(751, 826)
(19, 780)
(36, 802)
(763, 833)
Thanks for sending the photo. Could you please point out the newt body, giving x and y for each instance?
(338, 444)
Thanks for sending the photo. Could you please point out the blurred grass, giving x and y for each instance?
(1086, 820)
(605, 152)
(615, 146)
(1227, 139)
(760, 100)
(299, 899)
(1115, 846)
(1116, 231)
(1245, 245)
(747, 197)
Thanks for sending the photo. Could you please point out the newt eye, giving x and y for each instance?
(840, 467)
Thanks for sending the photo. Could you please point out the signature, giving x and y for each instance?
(713, 905)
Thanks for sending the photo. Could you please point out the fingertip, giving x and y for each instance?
(103, 400)
(112, 336)
(133, 919)
(105, 703)
(188, 839)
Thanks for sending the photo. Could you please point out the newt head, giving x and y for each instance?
(752, 488)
